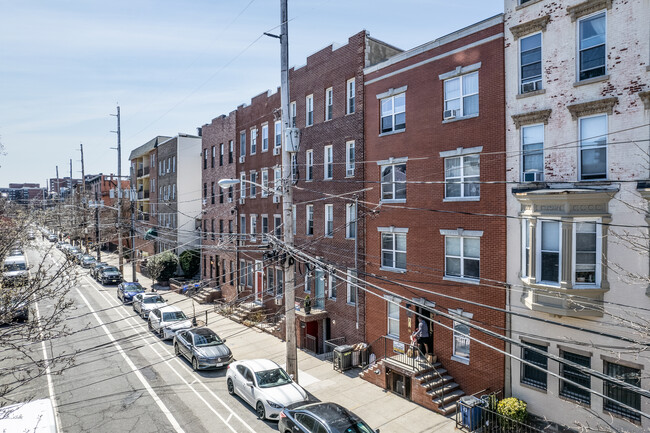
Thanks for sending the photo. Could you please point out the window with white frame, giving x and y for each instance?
(292, 112)
(331, 285)
(309, 110)
(593, 147)
(265, 137)
(393, 113)
(242, 224)
(587, 252)
(279, 279)
(350, 96)
(461, 95)
(461, 341)
(462, 256)
(532, 158)
(222, 152)
(393, 249)
(393, 182)
(351, 286)
(350, 221)
(592, 46)
(278, 134)
(265, 182)
(231, 151)
(294, 219)
(242, 144)
(393, 317)
(253, 184)
(462, 176)
(328, 166)
(526, 253)
(174, 192)
(277, 225)
(270, 284)
(329, 220)
(253, 141)
(169, 164)
(242, 185)
(329, 103)
(349, 159)
(205, 159)
(530, 58)
(265, 227)
(249, 274)
(214, 155)
(277, 180)
(253, 227)
(174, 164)
(549, 251)
(309, 219)
(309, 169)
(294, 167)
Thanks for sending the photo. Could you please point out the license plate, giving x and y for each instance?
(219, 364)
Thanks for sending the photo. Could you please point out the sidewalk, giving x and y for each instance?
(378, 407)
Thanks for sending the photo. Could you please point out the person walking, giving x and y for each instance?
(422, 335)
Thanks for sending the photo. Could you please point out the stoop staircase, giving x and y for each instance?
(245, 310)
(440, 386)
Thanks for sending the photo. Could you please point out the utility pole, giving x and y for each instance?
(99, 245)
(120, 249)
(73, 210)
(133, 274)
(58, 200)
(83, 198)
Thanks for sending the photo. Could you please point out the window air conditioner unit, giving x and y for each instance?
(531, 86)
(533, 176)
(229, 199)
(449, 114)
(276, 199)
(241, 159)
(276, 151)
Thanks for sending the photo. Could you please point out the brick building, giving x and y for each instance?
(101, 191)
(434, 163)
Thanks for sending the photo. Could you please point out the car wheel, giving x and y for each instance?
(177, 350)
(259, 410)
(149, 326)
(231, 387)
(161, 332)
(195, 364)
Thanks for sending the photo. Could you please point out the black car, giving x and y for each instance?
(126, 291)
(203, 348)
(321, 418)
(96, 269)
(110, 274)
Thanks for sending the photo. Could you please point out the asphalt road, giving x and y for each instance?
(125, 378)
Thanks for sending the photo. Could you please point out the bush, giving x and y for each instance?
(190, 262)
(163, 266)
(513, 408)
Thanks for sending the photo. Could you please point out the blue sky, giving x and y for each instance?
(171, 65)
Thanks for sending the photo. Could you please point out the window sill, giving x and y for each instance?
(349, 177)
(471, 116)
(573, 400)
(533, 387)
(349, 238)
(352, 304)
(591, 80)
(385, 134)
(397, 200)
(452, 199)
(396, 270)
(462, 280)
(309, 180)
(460, 359)
(528, 3)
(533, 93)
(329, 178)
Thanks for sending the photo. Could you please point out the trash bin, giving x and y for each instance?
(471, 411)
(343, 357)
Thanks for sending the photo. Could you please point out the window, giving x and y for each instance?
(212, 229)
(587, 253)
(532, 144)
(309, 282)
(328, 166)
(278, 134)
(169, 164)
(292, 112)
(629, 398)
(253, 184)
(393, 113)
(309, 110)
(351, 286)
(294, 167)
(569, 390)
(174, 164)
(309, 222)
(351, 221)
(270, 284)
(461, 341)
(205, 192)
(349, 159)
(277, 224)
(593, 147)
(592, 50)
(221, 194)
(205, 159)
(221, 153)
(212, 193)
(329, 220)
(253, 141)
(265, 183)
(393, 182)
(393, 251)
(242, 273)
(462, 256)
(242, 224)
(265, 138)
(249, 274)
(295, 226)
(242, 144)
(548, 255)
(230, 226)
(461, 95)
(309, 169)
(253, 227)
(351, 90)
(231, 151)
(223, 270)
(277, 180)
(526, 252)
(220, 226)
(232, 273)
(214, 154)
(531, 63)
(279, 281)
(462, 176)
(265, 227)
(530, 375)
(393, 318)
(329, 103)
(242, 185)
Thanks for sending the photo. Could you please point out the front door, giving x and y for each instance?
(319, 290)
(259, 281)
(428, 316)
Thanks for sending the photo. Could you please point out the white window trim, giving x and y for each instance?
(328, 160)
(541, 47)
(331, 283)
(397, 302)
(351, 286)
(253, 231)
(393, 114)
(275, 142)
(309, 165)
(462, 114)
(350, 217)
(253, 140)
(265, 182)
(350, 166)
(463, 235)
(599, 248)
(329, 91)
(461, 151)
(391, 92)
(462, 197)
(329, 212)
(606, 146)
(455, 357)
(521, 141)
(253, 180)
(460, 70)
(350, 95)
(307, 214)
(391, 230)
(242, 144)
(309, 100)
(293, 113)
(578, 21)
(538, 253)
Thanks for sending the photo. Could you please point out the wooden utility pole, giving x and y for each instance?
(84, 203)
(120, 247)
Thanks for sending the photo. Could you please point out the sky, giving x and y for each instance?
(171, 66)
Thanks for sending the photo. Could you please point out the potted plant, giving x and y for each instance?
(307, 304)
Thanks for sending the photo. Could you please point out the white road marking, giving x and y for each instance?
(135, 370)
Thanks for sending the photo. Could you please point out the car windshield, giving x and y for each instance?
(152, 299)
(271, 378)
(174, 316)
(11, 267)
(207, 339)
(110, 269)
(134, 288)
(358, 427)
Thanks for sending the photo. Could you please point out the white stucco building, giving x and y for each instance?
(578, 164)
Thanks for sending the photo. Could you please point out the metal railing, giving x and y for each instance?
(475, 415)
(330, 345)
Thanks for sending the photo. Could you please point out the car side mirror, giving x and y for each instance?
(291, 376)
(223, 341)
(249, 383)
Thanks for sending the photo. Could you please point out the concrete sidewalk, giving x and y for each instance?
(379, 408)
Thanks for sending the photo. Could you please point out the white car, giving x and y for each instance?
(265, 386)
(166, 321)
(143, 303)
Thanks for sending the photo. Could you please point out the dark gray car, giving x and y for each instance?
(203, 348)
(110, 274)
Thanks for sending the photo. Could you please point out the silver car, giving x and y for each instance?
(203, 348)
(143, 303)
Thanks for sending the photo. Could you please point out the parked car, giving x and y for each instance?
(13, 306)
(30, 235)
(126, 291)
(264, 385)
(96, 268)
(15, 271)
(143, 303)
(321, 418)
(87, 261)
(52, 238)
(110, 274)
(203, 348)
(166, 321)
